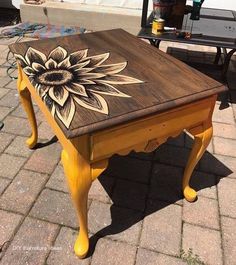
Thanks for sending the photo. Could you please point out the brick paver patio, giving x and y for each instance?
(137, 214)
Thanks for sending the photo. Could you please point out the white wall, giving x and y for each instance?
(134, 4)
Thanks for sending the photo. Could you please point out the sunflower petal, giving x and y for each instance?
(49, 103)
(42, 90)
(75, 57)
(65, 63)
(106, 89)
(51, 64)
(120, 79)
(84, 70)
(58, 54)
(20, 59)
(76, 89)
(29, 71)
(34, 56)
(79, 66)
(96, 59)
(91, 76)
(67, 112)
(38, 67)
(93, 102)
(59, 95)
(110, 69)
(86, 82)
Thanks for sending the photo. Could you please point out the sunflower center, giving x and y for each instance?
(55, 77)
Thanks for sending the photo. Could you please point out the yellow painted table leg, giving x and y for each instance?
(201, 141)
(26, 101)
(78, 173)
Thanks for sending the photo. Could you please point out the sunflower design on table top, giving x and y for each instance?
(65, 79)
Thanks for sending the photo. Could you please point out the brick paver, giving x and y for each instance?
(137, 214)
(31, 244)
(24, 189)
(229, 239)
(162, 228)
(206, 243)
(148, 257)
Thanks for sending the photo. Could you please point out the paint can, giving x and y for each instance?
(158, 26)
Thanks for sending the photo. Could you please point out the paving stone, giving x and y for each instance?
(229, 240)
(55, 207)
(129, 168)
(3, 92)
(204, 242)
(12, 84)
(101, 189)
(4, 80)
(115, 222)
(162, 228)
(116, 253)
(3, 184)
(203, 212)
(204, 184)
(223, 116)
(19, 147)
(5, 140)
(219, 165)
(227, 196)
(166, 183)
(4, 111)
(176, 156)
(24, 189)
(45, 131)
(58, 180)
(148, 257)
(17, 126)
(44, 159)
(63, 249)
(10, 165)
(8, 225)
(225, 146)
(224, 130)
(130, 195)
(20, 112)
(11, 99)
(31, 244)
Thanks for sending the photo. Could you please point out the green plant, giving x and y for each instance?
(190, 258)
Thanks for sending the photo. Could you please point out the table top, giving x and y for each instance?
(216, 26)
(97, 80)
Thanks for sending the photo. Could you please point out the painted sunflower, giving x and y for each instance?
(62, 79)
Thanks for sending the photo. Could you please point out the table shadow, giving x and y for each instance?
(165, 178)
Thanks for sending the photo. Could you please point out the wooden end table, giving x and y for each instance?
(106, 93)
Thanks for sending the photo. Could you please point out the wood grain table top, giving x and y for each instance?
(97, 80)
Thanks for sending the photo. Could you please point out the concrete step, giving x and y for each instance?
(91, 17)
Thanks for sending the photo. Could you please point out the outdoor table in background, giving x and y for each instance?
(106, 93)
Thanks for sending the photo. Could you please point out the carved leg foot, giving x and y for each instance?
(79, 178)
(201, 141)
(27, 104)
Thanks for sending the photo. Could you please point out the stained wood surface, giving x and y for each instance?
(167, 82)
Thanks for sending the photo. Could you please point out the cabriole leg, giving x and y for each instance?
(201, 141)
(78, 173)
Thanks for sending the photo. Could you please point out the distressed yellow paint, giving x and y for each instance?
(84, 158)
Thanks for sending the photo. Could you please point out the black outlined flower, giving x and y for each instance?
(63, 79)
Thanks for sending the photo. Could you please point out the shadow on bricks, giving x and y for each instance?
(147, 183)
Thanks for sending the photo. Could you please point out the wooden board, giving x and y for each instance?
(144, 80)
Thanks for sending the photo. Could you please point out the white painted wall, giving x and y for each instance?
(134, 4)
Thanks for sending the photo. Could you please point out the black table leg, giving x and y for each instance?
(218, 55)
(155, 43)
(226, 64)
(1, 125)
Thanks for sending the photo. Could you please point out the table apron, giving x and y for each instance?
(147, 133)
